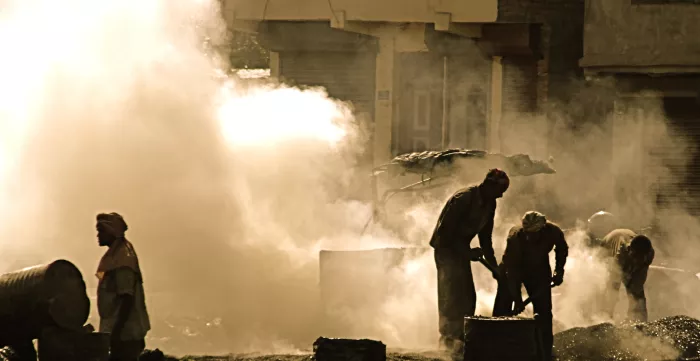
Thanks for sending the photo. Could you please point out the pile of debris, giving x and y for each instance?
(670, 338)
(429, 162)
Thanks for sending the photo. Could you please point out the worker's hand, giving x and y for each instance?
(558, 278)
(519, 307)
(475, 254)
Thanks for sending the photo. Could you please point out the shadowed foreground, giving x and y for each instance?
(391, 356)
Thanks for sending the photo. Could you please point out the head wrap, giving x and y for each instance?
(121, 253)
(533, 221)
(113, 223)
(499, 177)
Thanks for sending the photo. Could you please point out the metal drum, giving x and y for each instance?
(501, 339)
(57, 344)
(42, 296)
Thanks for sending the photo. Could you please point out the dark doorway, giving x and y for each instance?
(680, 183)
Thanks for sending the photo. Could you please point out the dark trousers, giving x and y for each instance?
(539, 289)
(126, 350)
(503, 304)
(456, 293)
(634, 286)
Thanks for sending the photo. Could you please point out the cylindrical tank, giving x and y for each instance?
(46, 295)
(56, 344)
(500, 339)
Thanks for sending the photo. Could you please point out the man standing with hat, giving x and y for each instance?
(468, 213)
(120, 297)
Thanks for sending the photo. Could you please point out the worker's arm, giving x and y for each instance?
(486, 241)
(126, 279)
(561, 253)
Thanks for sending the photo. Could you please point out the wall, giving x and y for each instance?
(364, 10)
(618, 33)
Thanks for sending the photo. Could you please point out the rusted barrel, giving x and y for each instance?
(56, 344)
(500, 339)
(42, 296)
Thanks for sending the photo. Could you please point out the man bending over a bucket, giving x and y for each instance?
(120, 297)
(526, 262)
(630, 256)
(468, 213)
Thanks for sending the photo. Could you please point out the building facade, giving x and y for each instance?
(651, 50)
(427, 74)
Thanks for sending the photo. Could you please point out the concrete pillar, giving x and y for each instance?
(385, 101)
(274, 64)
(496, 105)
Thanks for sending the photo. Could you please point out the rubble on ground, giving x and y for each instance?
(430, 161)
(669, 338)
(337, 349)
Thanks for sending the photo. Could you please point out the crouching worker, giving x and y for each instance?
(120, 297)
(630, 256)
(526, 262)
(468, 213)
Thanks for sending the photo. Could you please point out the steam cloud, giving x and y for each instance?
(231, 187)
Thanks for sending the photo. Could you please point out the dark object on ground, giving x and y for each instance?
(337, 349)
(8, 354)
(57, 344)
(155, 355)
(41, 296)
(669, 338)
(391, 356)
(436, 161)
(500, 338)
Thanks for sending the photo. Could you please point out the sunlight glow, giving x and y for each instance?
(265, 116)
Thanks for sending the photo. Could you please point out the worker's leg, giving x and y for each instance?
(637, 301)
(540, 291)
(455, 289)
(612, 291)
(503, 305)
(126, 350)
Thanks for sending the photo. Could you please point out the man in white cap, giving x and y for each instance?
(526, 262)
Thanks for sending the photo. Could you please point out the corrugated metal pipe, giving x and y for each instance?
(51, 295)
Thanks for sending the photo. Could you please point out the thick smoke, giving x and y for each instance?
(232, 188)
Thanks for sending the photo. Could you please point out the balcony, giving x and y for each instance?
(396, 11)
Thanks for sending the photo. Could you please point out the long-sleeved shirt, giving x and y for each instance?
(466, 215)
(616, 244)
(527, 254)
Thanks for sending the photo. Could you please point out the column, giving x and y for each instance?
(274, 64)
(385, 100)
(496, 105)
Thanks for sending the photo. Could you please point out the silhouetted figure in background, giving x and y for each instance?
(120, 296)
(629, 256)
(600, 224)
(468, 213)
(526, 262)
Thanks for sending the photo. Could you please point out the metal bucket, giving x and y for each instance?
(501, 339)
(42, 296)
(56, 344)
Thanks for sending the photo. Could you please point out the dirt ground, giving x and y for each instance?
(391, 356)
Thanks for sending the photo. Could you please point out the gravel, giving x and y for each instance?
(669, 338)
